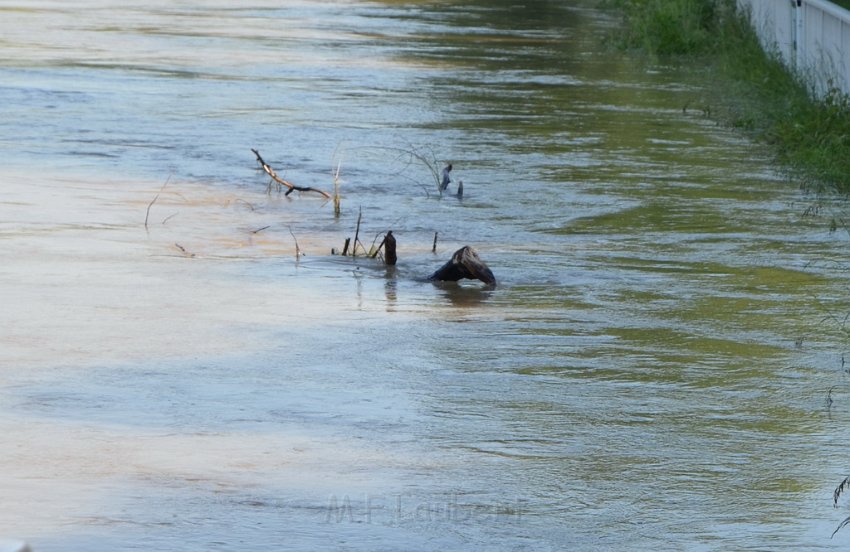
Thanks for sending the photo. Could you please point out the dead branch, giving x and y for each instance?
(281, 182)
(408, 157)
(148, 211)
(240, 200)
(375, 251)
(297, 248)
(357, 234)
(336, 190)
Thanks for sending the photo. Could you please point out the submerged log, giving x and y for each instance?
(465, 263)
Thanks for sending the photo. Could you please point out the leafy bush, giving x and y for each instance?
(811, 134)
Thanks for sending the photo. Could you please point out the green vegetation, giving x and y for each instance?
(811, 136)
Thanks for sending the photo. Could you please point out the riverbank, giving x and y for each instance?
(751, 89)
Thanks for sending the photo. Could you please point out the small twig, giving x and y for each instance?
(258, 230)
(375, 251)
(183, 250)
(845, 483)
(357, 234)
(840, 526)
(408, 156)
(245, 202)
(169, 217)
(434, 247)
(336, 190)
(148, 211)
(297, 249)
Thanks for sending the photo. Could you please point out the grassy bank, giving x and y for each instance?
(754, 90)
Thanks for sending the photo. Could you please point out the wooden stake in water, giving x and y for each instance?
(336, 191)
(357, 234)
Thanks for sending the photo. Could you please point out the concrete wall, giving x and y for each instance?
(811, 36)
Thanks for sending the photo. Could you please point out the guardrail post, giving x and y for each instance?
(798, 35)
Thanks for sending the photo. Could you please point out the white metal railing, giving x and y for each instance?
(811, 36)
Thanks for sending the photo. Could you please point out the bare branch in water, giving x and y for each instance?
(281, 182)
(148, 211)
(357, 235)
(245, 202)
(297, 248)
(844, 485)
(409, 156)
(840, 526)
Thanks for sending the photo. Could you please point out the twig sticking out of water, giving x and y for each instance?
(183, 250)
(836, 494)
(281, 182)
(148, 210)
(297, 248)
(840, 526)
(240, 200)
(357, 234)
(829, 400)
(434, 247)
(409, 156)
(258, 230)
(336, 190)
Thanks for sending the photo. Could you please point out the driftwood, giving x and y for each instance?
(281, 182)
(388, 244)
(465, 263)
(390, 256)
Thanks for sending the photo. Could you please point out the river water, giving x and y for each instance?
(660, 366)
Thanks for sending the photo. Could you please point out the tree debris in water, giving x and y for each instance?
(465, 263)
(281, 182)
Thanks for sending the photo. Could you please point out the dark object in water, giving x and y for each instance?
(390, 256)
(446, 178)
(465, 263)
